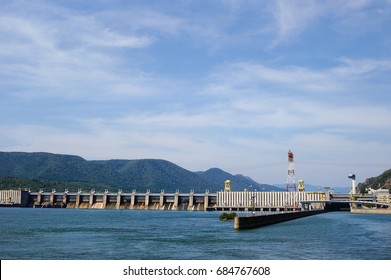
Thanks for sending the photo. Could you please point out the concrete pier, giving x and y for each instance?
(65, 199)
(91, 202)
(52, 199)
(104, 203)
(118, 204)
(176, 201)
(191, 202)
(38, 201)
(161, 200)
(132, 200)
(269, 219)
(206, 201)
(77, 204)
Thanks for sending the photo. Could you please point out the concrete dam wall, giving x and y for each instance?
(141, 201)
(220, 201)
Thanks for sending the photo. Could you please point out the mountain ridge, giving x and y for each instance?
(43, 169)
(381, 181)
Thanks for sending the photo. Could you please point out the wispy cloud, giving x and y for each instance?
(345, 77)
(44, 59)
(292, 18)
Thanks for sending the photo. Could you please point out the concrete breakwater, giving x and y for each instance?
(269, 219)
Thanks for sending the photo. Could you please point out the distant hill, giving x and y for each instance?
(381, 181)
(238, 182)
(157, 174)
(47, 171)
(55, 167)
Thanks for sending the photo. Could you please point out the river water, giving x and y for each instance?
(57, 234)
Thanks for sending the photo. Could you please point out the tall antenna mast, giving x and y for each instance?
(291, 178)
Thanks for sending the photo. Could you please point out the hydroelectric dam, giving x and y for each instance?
(219, 201)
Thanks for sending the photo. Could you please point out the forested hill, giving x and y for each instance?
(238, 182)
(381, 181)
(47, 171)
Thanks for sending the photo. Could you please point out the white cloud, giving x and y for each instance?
(357, 69)
(344, 80)
(293, 17)
(71, 56)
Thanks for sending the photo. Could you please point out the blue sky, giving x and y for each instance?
(228, 84)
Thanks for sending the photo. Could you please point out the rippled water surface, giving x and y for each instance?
(28, 233)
